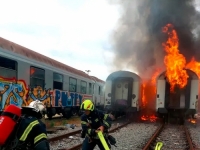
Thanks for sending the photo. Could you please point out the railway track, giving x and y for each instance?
(52, 139)
(172, 137)
(77, 133)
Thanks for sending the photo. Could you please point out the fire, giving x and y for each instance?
(193, 121)
(144, 118)
(174, 61)
(155, 75)
(153, 79)
(143, 94)
(151, 118)
(194, 66)
(148, 92)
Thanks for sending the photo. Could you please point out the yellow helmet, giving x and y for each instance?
(87, 105)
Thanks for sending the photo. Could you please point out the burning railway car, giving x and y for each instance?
(122, 93)
(179, 103)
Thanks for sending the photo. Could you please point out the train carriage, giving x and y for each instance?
(26, 75)
(122, 93)
(180, 103)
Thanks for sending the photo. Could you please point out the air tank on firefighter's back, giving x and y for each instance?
(122, 93)
(182, 102)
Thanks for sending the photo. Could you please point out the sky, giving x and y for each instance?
(74, 32)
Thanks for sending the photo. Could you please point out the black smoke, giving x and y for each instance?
(137, 40)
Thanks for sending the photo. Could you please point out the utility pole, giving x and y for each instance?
(88, 71)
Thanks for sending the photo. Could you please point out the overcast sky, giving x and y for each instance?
(74, 32)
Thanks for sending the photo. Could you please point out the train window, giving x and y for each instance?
(90, 88)
(99, 90)
(8, 68)
(57, 81)
(119, 85)
(83, 87)
(126, 86)
(37, 77)
(72, 84)
(109, 94)
(133, 96)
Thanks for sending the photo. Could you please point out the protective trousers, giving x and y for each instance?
(89, 144)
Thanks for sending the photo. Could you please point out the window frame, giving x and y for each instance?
(90, 88)
(37, 77)
(58, 81)
(99, 90)
(85, 92)
(16, 68)
(72, 84)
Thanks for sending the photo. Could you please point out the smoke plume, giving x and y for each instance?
(137, 40)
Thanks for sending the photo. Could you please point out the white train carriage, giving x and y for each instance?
(181, 102)
(26, 76)
(122, 92)
(98, 90)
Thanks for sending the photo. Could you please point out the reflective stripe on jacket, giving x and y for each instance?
(31, 130)
(93, 121)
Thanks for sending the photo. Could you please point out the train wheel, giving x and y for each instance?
(49, 116)
(51, 112)
(74, 112)
(67, 113)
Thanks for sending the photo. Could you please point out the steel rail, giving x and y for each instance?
(59, 137)
(147, 146)
(77, 147)
(189, 138)
(153, 137)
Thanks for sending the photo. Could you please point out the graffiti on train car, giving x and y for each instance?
(17, 93)
(38, 93)
(12, 92)
(67, 98)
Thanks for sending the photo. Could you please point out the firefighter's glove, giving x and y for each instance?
(93, 132)
(101, 128)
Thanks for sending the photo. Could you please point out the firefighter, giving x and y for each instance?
(31, 132)
(92, 121)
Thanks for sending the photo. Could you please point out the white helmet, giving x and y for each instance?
(37, 105)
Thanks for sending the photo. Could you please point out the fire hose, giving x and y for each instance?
(159, 146)
(103, 141)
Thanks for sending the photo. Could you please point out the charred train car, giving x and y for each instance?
(26, 76)
(122, 93)
(181, 103)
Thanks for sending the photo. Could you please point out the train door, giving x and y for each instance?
(179, 98)
(121, 90)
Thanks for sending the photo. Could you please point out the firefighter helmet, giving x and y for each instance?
(87, 105)
(35, 108)
(37, 105)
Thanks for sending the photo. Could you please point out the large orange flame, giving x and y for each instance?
(144, 102)
(174, 61)
(155, 75)
(194, 66)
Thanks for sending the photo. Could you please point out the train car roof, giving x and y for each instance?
(191, 73)
(18, 49)
(97, 79)
(122, 73)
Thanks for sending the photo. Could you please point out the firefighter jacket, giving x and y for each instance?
(90, 123)
(31, 132)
